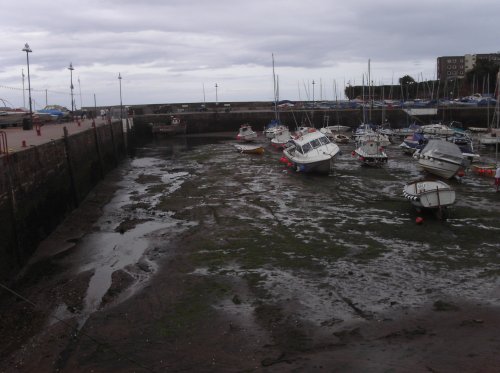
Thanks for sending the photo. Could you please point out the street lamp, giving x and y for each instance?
(70, 68)
(121, 104)
(216, 99)
(28, 50)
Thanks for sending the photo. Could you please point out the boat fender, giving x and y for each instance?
(353, 153)
(419, 220)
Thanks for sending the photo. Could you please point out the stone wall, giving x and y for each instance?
(40, 185)
(210, 121)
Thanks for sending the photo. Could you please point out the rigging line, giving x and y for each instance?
(93, 339)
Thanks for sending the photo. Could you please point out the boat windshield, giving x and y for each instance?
(324, 140)
(307, 147)
(315, 143)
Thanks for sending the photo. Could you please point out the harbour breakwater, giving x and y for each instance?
(221, 120)
(41, 185)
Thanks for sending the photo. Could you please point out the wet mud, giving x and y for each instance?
(193, 257)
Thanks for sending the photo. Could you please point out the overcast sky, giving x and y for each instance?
(177, 50)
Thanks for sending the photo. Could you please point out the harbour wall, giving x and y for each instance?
(217, 121)
(41, 185)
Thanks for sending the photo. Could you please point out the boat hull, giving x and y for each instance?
(429, 194)
(322, 167)
(439, 167)
(370, 154)
(249, 149)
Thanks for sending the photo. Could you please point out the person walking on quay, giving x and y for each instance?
(103, 114)
(497, 178)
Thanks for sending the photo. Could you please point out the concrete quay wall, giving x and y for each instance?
(210, 121)
(42, 184)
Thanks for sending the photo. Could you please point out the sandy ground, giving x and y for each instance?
(178, 321)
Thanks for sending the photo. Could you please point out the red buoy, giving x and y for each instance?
(419, 220)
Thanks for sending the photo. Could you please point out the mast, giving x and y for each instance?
(370, 102)
(275, 93)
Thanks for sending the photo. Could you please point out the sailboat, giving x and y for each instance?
(275, 126)
(369, 144)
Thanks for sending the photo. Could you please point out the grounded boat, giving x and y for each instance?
(490, 138)
(370, 153)
(437, 129)
(246, 133)
(429, 194)
(281, 138)
(413, 142)
(440, 157)
(338, 128)
(249, 149)
(340, 139)
(484, 170)
(311, 152)
(175, 127)
(273, 128)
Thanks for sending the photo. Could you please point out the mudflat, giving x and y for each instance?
(192, 257)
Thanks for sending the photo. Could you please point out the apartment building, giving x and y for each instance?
(457, 66)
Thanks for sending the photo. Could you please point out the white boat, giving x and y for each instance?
(281, 138)
(437, 129)
(311, 152)
(490, 138)
(340, 139)
(440, 157)
(429, 194)
(246, 133)
(249, 149)
(338, 128)
(365, 133)
(370, 153)
(175, 127)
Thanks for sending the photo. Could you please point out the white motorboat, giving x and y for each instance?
(340, 138)
(281, 138)
(437, 129)
(429, 194)
(370, 153)
(273, 128)
(365, 133)
(440, 157)
(311, 152)
(338, 128)
(246, 133)
(490, 138)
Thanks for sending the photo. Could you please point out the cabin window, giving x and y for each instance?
(299, 149)
(324, 140)
(315, 143)
(306, 148)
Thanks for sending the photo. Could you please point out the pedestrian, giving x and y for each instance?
(497, 178)
(103, 114)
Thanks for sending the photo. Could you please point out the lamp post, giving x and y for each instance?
(28, 50)
(24, 92)
(70, 68)
(121, 104)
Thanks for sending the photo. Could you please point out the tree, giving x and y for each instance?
(485, 71)
(406, 80)
(407, 83)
